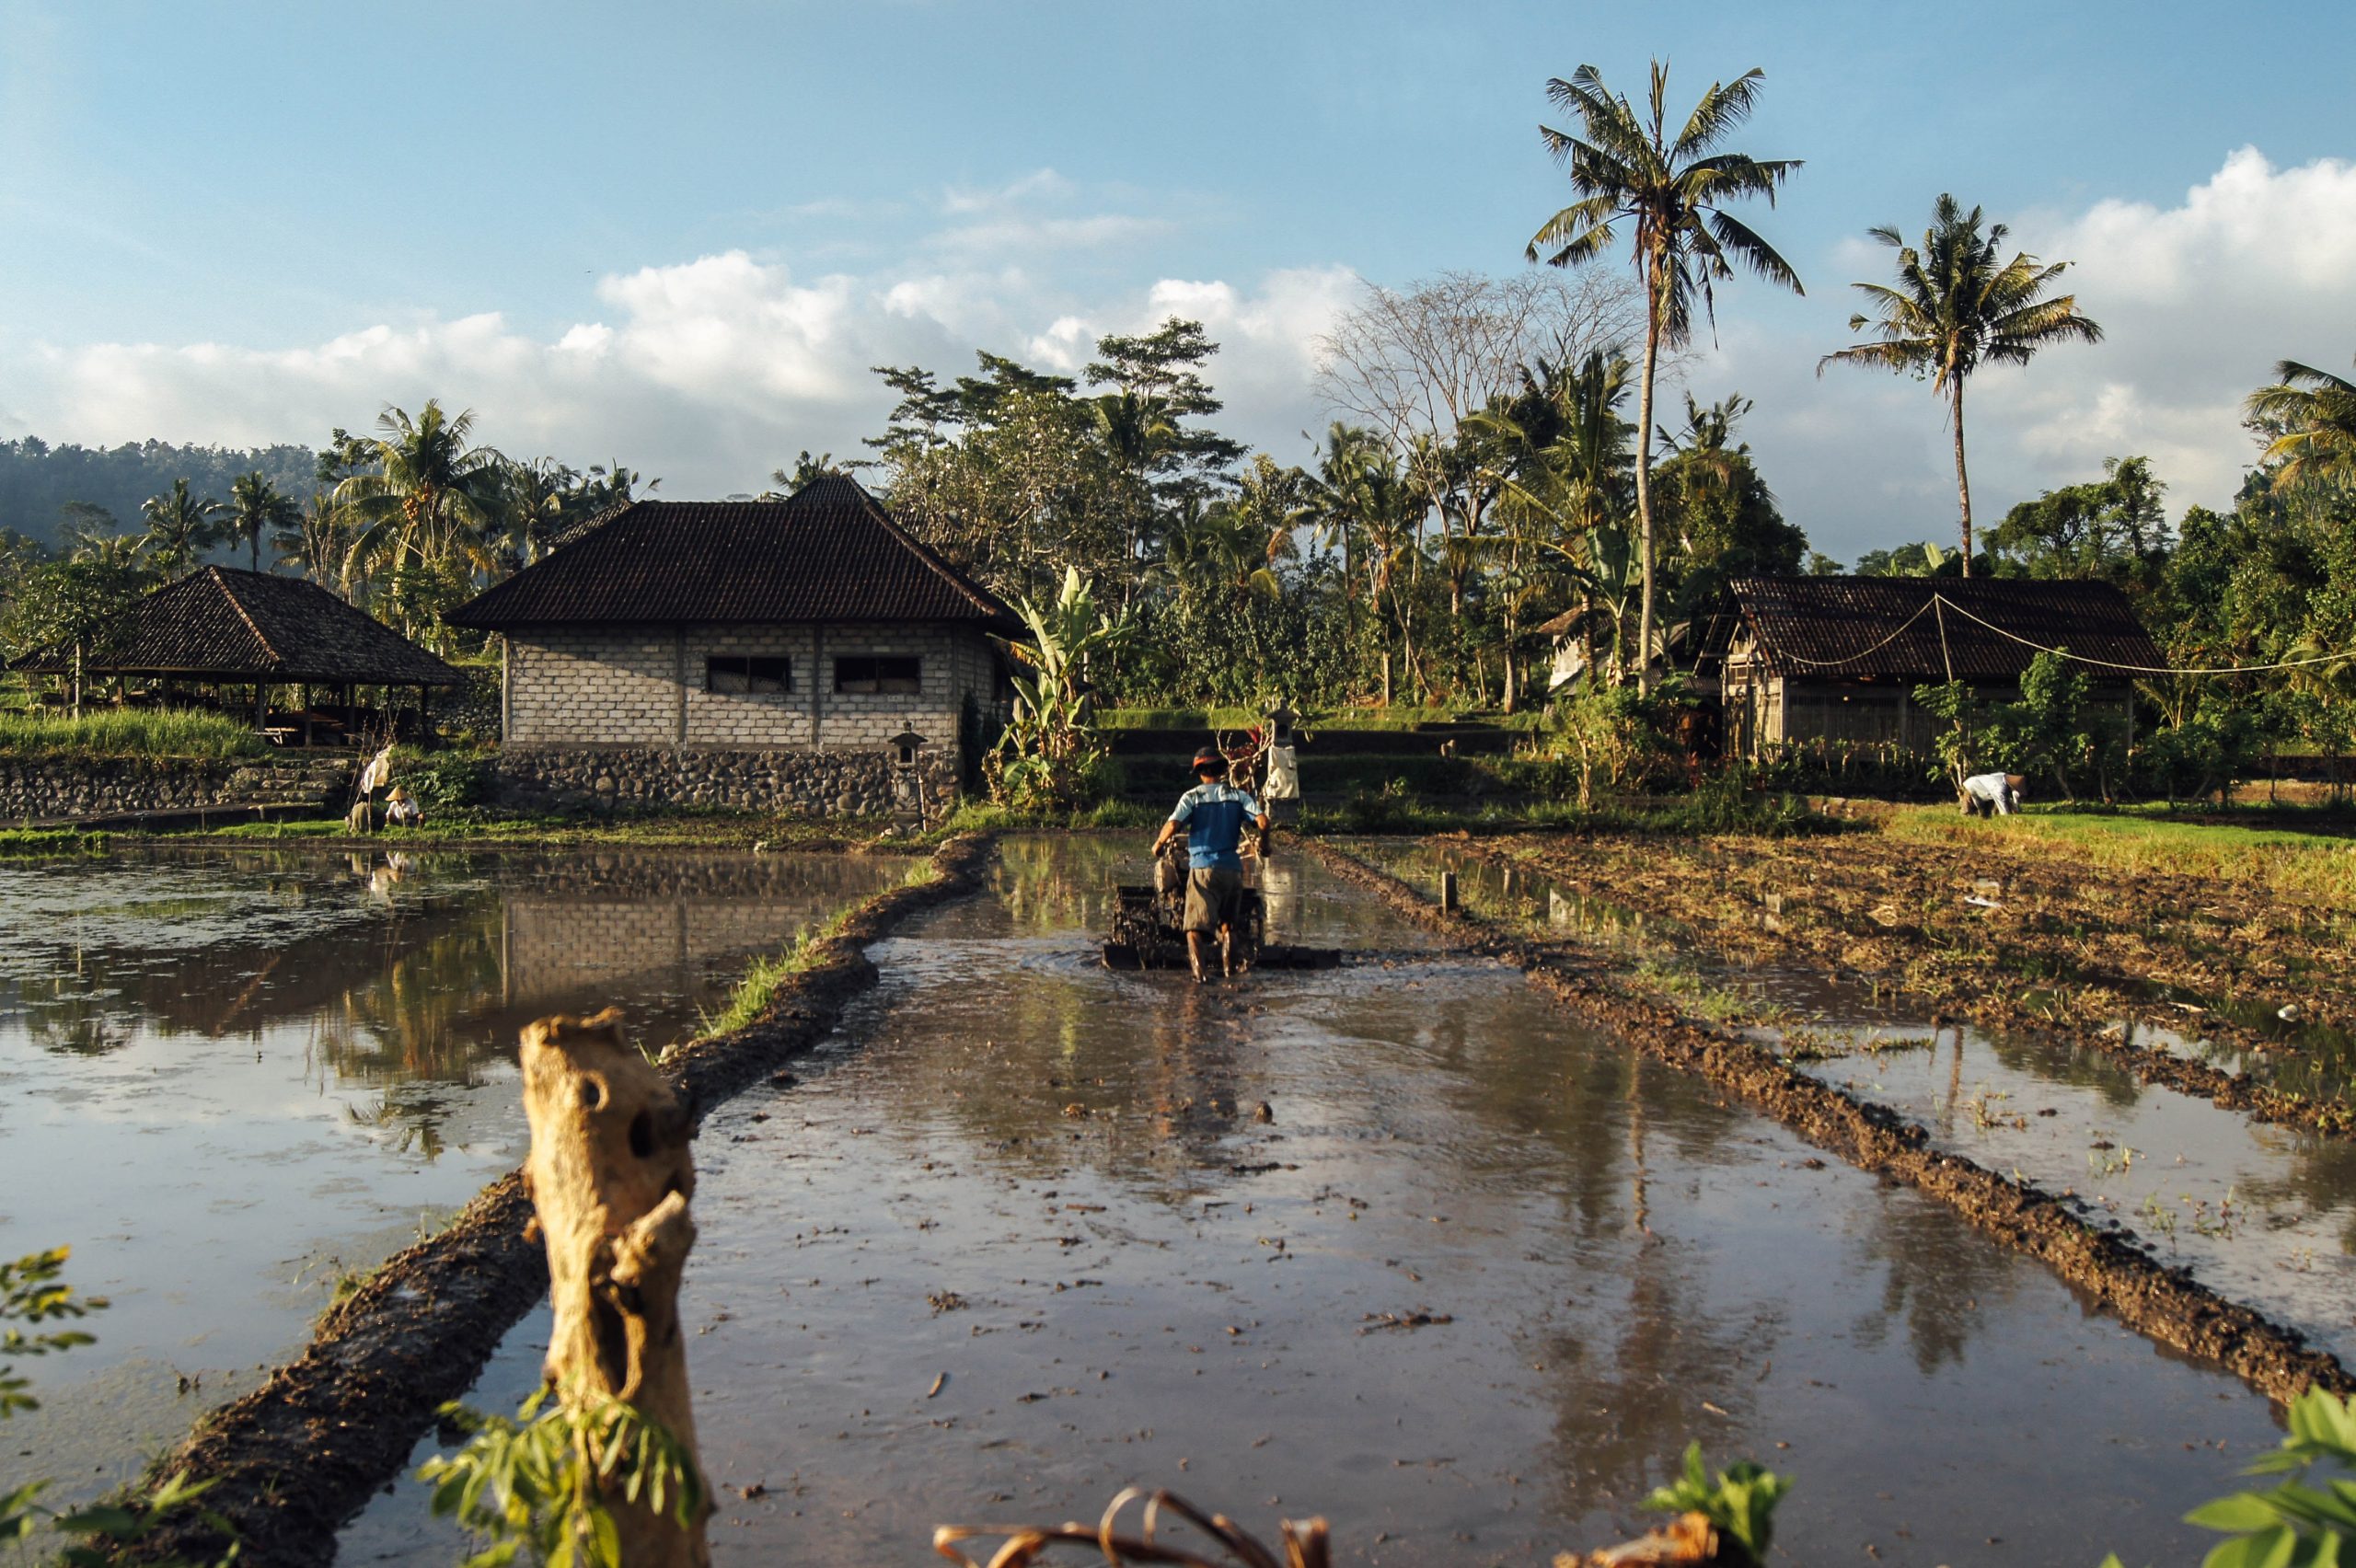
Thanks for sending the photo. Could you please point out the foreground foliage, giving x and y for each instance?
(537, 1487)
(33, 1291)
(2293, 1523)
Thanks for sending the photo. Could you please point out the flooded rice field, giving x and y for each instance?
(232, 1079)
(1396, 1244)
(2263, 1214)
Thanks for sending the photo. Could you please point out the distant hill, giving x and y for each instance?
(37, 479)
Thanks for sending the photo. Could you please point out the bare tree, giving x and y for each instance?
(1417, 361)
(1414, 363)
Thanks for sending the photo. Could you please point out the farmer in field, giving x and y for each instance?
(1996, 792)
(1212, 813)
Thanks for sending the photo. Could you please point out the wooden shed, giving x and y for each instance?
(1836, 659)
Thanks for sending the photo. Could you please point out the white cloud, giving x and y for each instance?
(709, 372)
(2198, 300)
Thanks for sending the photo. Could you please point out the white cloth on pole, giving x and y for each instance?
(378, 773)
(1284, 778)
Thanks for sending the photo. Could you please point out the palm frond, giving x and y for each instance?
(1725, 106)
(1761, 258)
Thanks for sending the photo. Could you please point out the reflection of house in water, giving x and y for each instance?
(609, 927)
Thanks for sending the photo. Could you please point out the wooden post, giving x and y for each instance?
(610, 1175)
(1449, 902)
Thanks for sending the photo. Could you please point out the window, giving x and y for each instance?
(881, 674)
(741, 675)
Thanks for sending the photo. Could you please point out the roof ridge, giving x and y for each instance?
(981, 597)
(268, 648)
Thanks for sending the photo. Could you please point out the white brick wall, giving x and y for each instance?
(643, 685)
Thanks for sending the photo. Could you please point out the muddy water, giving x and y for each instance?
(1020, 1238)
(2265, 1215)
(227, 1078)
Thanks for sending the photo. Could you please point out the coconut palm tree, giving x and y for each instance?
(180, 526)
(1956, 306)
(255, 504)
(434, 503)
(1671, 190)
(2311, 414)
(537, 493)
(1231, 548)
(1566, 481)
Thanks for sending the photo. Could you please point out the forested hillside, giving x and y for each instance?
(38, 479)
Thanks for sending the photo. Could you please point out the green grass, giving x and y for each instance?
(985, 816)
(31, 841)
(129, 732)
(757, 990)
(478, 826)
(2320, 867)
(1342, 718)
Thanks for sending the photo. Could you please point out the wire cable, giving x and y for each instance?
(1782, 655)
(2145, 669)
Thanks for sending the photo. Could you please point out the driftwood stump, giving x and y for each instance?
(610, 1176)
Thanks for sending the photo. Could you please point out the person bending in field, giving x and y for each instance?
(1212, 815)
(1999, 793)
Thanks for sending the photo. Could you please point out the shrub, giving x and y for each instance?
(444, 780)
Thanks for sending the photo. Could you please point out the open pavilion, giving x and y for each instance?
(220, 630)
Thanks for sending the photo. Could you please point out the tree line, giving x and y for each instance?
(1500, 485)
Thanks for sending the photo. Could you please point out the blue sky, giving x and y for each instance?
(676, 235)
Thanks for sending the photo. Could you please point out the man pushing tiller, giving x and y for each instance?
(1212, 813)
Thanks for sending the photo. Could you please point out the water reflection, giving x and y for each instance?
(229, 1075)
(1468, 1289)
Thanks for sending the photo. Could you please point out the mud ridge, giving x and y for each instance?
(2228, 1090)
(2162, 1304)
(294, 1459)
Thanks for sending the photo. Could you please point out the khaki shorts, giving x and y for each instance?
(1214, 898)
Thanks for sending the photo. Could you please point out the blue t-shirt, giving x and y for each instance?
(1213, 816)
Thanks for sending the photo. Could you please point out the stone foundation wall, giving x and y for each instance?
(627, 779)
(41, 788)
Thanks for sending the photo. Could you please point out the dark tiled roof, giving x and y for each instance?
(223, 624)
(828, 553)
(1887, 627)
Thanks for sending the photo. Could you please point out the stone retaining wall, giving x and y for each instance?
(40, 788)
(627, 779)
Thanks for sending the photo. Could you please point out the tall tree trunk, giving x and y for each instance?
(1645, 482)
(1962, 479)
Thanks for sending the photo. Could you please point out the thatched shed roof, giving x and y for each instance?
(222, 624)
(829, 553)
(1920, 629)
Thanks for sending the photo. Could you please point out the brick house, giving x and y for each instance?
(798, 654)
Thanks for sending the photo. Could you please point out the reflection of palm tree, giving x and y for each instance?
(1938, 1269)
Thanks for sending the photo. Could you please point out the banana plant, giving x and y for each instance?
(1051, 754)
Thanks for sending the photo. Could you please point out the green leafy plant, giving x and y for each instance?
(1741, 1503)
(1051, 756)
(540, 1488)
(33, 1290)
(2293, 1523)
